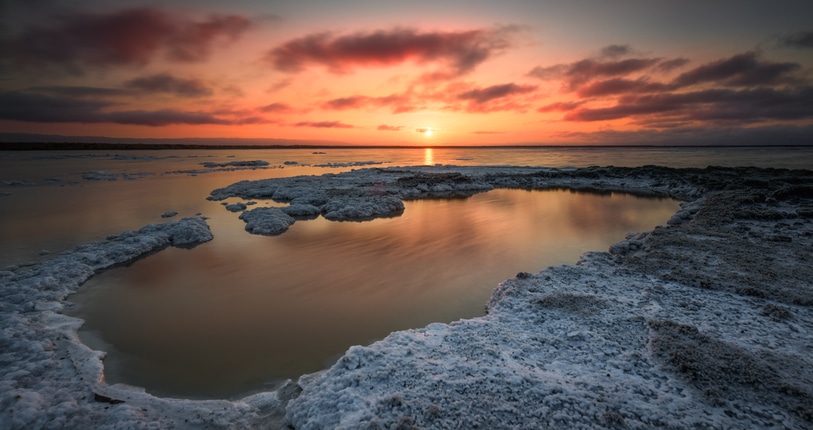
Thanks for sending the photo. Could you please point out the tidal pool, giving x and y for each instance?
(244, 313)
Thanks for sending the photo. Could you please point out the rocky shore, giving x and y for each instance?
(705, 322)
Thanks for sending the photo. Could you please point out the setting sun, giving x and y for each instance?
(378, 73)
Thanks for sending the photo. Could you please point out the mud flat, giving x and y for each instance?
(704, 322)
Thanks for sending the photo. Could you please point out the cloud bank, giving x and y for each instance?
(166, 83)
(28, 107)
(743, 89)
(130, 37)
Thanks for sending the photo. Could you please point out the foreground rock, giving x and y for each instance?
(705, 322)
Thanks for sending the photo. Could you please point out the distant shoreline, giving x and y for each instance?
(89, 146)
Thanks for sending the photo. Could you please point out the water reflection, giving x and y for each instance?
(428, 157)
(242, 311)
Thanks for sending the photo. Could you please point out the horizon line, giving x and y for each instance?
(44, 146)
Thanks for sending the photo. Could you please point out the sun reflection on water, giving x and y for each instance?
(428, 157)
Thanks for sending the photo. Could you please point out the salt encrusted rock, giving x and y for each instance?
(236, 207)
(300, 210)
(169, 214)
(350, 164)
(107, 176)
(248, 163)
(266, 221)
(354, 208)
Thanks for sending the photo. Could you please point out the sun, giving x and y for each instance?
(428, 132)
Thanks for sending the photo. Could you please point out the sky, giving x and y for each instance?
(457, 72)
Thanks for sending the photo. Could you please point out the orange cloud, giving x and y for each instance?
(458, 52)
(276, 108)
(323, 124)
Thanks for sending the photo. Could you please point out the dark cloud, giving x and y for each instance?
(592, 78)
(166, 83)
(192, 41)
(455, 96)
(548, 73)
(575, 74)
(385, 127)
(620, 86)
(398, 103)
(27, 107)
(422, 130)
(484, 95)
(745, 106)
(80, 91)
(560, 106)
(165, 117)
(347, 102)
(276, 108)
(615, 51)
(666, 66)
(802, 39)
(717, 135)
(739, 70)
(323, 124)
(19, 106)
(131, 37)
(458, 52)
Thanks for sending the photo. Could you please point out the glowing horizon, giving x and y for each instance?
(488, 73)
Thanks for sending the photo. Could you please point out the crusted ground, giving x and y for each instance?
(704, 322)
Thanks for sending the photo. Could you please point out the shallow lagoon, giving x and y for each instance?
(184, 299)
(243, 313)
(635, 311)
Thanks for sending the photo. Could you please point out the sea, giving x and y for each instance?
(245, 313)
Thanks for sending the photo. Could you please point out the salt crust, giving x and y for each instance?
(705, 322)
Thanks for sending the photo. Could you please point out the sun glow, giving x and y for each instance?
(428, 157)
(428, 132)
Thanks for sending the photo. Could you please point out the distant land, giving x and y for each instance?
(26, 141)
(763, 137)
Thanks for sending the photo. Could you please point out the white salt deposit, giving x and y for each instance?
(705, 322)
(248, 163)
(266, 221)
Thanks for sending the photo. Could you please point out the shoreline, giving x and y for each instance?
(110, 146)
(705, 321)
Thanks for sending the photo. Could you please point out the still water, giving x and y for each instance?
(244, 312)
(51, 201)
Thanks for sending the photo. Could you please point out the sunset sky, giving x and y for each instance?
(462, 72)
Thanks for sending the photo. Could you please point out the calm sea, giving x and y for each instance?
(242, 313)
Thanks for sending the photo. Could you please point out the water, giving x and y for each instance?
(47, 205)
(249, 311)
(243, 312)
